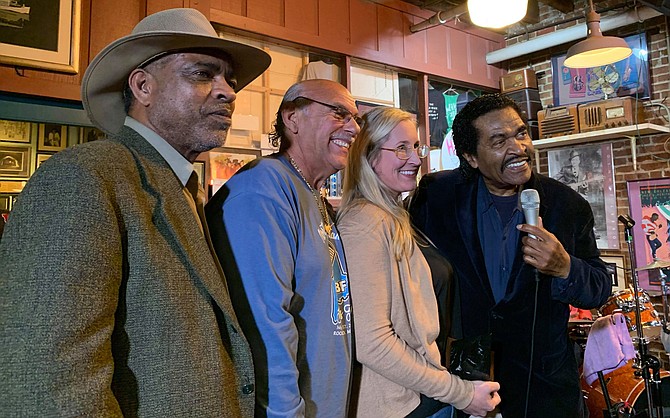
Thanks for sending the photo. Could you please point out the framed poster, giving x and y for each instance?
(589, 170)
(14, 131)
(42, 34)
(51, 137)
(224, 162)
(649, 202)
(616, 271)
(15, 161)
(628, 77)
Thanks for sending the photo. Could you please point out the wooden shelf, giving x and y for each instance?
(631, 132)
(602, 135)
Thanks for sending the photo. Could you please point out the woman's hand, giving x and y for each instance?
(486, 398)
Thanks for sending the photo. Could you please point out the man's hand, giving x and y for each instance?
(544, 252)
(485, 400)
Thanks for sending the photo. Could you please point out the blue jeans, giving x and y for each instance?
(431, 408)
(444, 412)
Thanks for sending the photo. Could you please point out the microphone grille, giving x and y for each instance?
(530, 197)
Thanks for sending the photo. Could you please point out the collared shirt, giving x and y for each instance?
(180, 165)
(499, 242)
(177, 162)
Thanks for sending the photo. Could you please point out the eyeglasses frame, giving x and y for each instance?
(409, 151)
(338, 110)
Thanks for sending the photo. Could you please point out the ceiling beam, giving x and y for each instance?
(565, 6)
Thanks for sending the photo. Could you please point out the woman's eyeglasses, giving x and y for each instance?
(404, 152)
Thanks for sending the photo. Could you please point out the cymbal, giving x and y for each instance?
(657, 264)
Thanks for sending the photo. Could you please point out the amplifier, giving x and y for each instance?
(517, 80)
(528, 100)
(610, 113)
(558, 121)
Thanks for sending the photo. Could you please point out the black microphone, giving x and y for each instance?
(530, 203)
(627, 221)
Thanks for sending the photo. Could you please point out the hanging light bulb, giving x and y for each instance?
(496, 13)
(596, 50)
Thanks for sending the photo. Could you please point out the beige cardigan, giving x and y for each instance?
(395, 321)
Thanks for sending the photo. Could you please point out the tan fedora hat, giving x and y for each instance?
(166, 31)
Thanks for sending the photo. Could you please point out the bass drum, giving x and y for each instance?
(625, 301)
(624, 386)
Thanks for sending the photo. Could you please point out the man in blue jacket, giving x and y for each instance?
(513, 286)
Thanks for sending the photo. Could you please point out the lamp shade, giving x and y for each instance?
(496, 13)
(596, 50)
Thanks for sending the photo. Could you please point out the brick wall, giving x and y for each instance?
(653, 153)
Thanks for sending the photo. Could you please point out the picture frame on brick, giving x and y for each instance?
(649, 201)
(628, 77)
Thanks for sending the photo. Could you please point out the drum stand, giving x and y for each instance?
(648, 365)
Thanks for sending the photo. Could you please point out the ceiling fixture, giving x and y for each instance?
(596, 50)
(496, 14)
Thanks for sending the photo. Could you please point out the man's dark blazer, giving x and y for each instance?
(445, 209)
(111, 302)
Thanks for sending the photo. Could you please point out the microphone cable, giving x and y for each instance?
(532, 342)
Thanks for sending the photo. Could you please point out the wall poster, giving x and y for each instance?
(649, 202)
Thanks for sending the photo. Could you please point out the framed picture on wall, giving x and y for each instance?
(41, 158)
(15, 161)
(649, 202)
(589, 170)
(42, 34)
(615, 268)
(14, 131)
(5, 203)
(224, 162)
(628, 77)
(89, 134)
(51, 137)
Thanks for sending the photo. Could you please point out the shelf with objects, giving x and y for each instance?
(632, 132)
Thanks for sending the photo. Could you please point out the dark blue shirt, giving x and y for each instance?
(499, 241)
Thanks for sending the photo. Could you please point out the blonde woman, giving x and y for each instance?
(396, 321)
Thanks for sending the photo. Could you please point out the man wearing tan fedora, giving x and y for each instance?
(112, 302)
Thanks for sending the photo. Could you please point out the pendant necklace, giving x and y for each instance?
(317, 196)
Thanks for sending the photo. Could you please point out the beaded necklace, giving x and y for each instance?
(317, 196)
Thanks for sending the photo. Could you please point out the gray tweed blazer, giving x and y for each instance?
(110, 300)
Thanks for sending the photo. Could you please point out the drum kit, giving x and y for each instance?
(640, 388)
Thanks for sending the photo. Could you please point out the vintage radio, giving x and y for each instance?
(558, 121)
(610, 113)
(517, 80)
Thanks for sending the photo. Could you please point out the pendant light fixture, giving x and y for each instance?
(596, 50)
(496, 14)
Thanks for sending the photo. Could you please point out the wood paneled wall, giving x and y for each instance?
(373, 31)
(364, 29)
